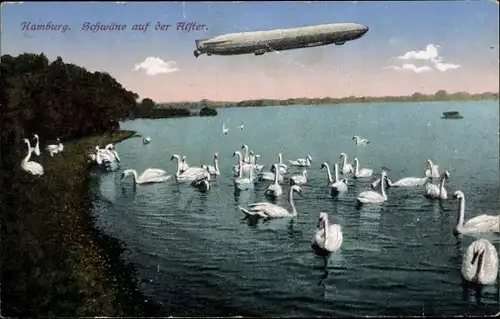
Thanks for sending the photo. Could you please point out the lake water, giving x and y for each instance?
(197, 256)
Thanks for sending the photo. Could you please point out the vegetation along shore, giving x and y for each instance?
(54, 261)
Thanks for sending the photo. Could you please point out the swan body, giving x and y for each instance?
(299, 179)
(328, 237)
(268, 210)
(372, 197)
(36, 149)
(336, 185)
(407, 182)
(302, 162)
(437, 192)
(213, 170)
(479, 224)
(360, 141)
(151, 175)
(54, 148)
(431, 170)
(31, 167)
(146, 140)
(480, 263)
(346, 167)
(274, 189)
(360, 173)
(225, 130)
(243, 183)
(270, 176)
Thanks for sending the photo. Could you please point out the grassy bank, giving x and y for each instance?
(54, 261)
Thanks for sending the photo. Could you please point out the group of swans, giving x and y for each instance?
(225, 130)
(33, 167)
(107, 157)
(53, 148)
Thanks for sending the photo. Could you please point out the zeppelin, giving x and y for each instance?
(260, 42)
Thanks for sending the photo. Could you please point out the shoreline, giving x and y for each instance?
(55, 260)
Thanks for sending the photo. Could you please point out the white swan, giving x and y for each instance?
(437, 192)
(241, 126)
(283, 169)
(36, 149)
(299, 179)
(328, 237)
(274, 189)
(243, 183)
(268, 210)
(302, 162)
(246, 157)
(203, 183)
(245, 167)
(346, 167)
(360, 173)
(213, 170)
(403, 182)
(224, 129)
(146, 140)
(190, 174)
(31, 167)
(480, 263)
(269, 176)
(103, 157)
(184, 166)
(151, 175)
(54, 148)
(336, 185)
(371, 197)
(431, 170)
(479, 224)
(360, 141)
(110, 148)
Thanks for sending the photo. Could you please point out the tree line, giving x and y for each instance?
(57, 99)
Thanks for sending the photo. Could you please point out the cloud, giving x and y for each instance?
(430, 56)
(410, 67)
(153, 66)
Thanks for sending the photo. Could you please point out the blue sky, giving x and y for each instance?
(464, 33)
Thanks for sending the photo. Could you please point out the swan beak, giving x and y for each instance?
(123, 176)
(172, 158)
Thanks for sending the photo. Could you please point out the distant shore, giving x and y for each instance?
(56, 262)
(439, 96)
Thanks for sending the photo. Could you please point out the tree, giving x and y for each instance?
(207, 111)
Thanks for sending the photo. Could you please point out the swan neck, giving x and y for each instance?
(240, 164)
(292, 204)
(441, 185)
(276, 175)
(389, 182)
(216, 164)
(27, 158)
(356, 168)
(325, 229)
(336, 168)
(461, 213)
(329, 174)
(382, 187)
(344, 161)
(280, 158)
(134, 173)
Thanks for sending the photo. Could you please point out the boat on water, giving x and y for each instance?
(452, 115)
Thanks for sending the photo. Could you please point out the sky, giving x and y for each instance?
(419, 46)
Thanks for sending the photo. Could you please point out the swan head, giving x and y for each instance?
(355, 160)
(323, 165)
(126, 173)
(244, 146)
(36, 136)
(204, 166)
(25, 140)
(175, 156)
(355, 137)
(342, 155)
(446, 174)
(344, 181)
(310, 158)
(273, 168)
(184, 158)
(458, 195)
(297, 189)
(58, 140)
(323, 217)
(216, 155)
(236, 153)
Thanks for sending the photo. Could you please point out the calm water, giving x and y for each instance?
(196, 255)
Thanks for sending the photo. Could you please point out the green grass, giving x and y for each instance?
(54, 261)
